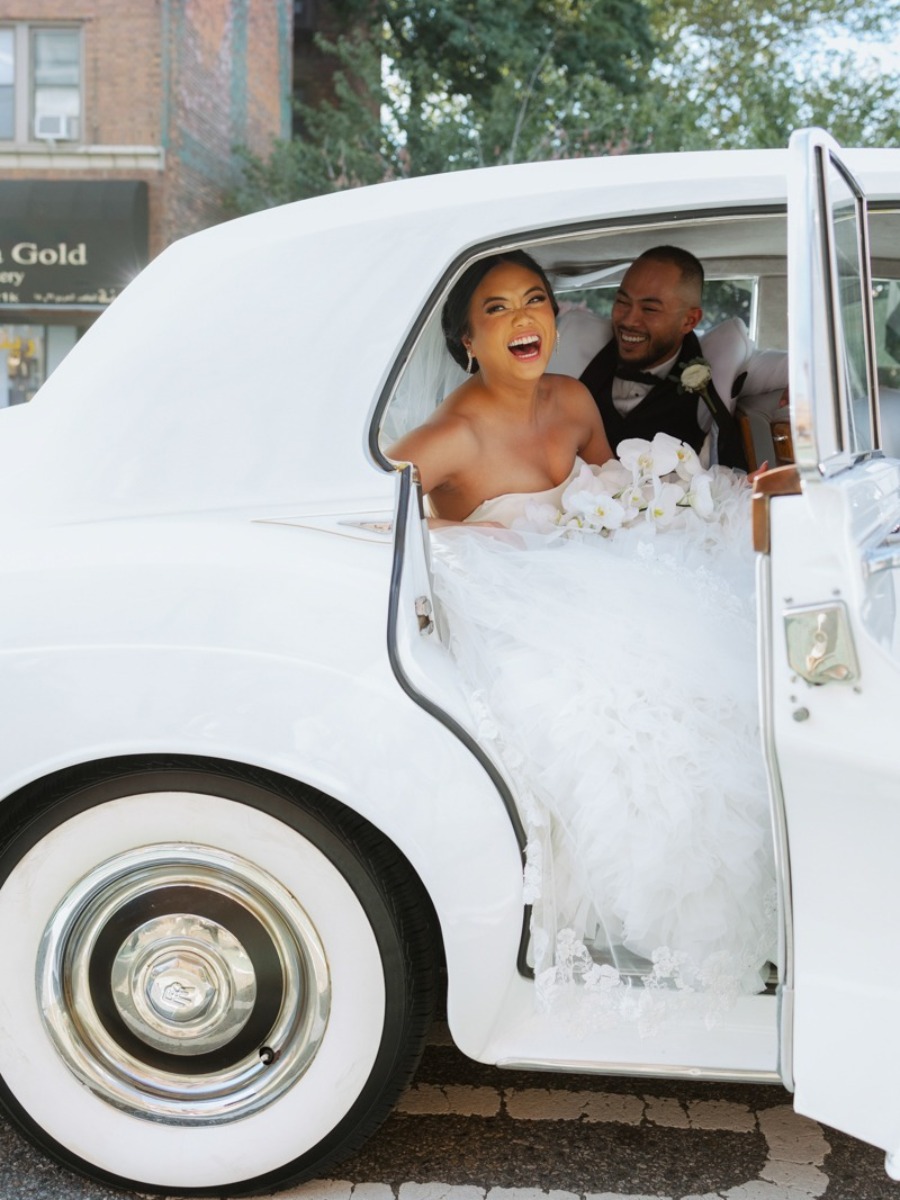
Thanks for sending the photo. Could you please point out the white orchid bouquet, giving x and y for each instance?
(649, 481)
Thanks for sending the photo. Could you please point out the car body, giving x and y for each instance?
(246, 817)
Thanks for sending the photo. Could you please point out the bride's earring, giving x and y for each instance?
(558, 340)
(469, 363)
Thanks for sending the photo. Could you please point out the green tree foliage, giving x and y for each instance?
(508, 82)
(745, 73)
(423, 88)
(427, 87)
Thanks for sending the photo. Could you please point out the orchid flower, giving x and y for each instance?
(595, 510)
(700, 496)
(661, 509)
(648, 459)
(634, 499)
(539, 517)
(688, 462)
(613, 475)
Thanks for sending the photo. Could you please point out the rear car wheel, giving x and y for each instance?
(216, 982)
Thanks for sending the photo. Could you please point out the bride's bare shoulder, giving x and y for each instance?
(449, 433)
(566, 390)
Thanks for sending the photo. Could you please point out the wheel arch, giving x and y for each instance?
(479, 927)
(37, 798)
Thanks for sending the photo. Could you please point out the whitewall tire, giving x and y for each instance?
(214, 980)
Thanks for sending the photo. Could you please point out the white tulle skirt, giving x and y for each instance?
(616, 678)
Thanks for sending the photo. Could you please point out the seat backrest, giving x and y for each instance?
(581, 335)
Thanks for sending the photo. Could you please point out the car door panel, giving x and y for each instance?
(833, 676)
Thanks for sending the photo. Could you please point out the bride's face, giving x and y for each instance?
(512, 326)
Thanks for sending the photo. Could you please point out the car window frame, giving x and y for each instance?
(526, 240)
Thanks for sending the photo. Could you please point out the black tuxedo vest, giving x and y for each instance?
(665, 409)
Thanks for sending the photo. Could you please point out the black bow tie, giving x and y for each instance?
(635, 376)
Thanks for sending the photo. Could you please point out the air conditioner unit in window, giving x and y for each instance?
(50, 127)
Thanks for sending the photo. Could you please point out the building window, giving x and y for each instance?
(40, 83)
(7, 84)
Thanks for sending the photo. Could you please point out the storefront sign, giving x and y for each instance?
(70, 243)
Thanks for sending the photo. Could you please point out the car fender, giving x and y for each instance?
(265, 647)
(389, 761)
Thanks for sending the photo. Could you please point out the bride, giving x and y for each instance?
(614, 668)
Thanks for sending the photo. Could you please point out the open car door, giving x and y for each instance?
(830, 533)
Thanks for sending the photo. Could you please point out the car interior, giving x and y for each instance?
(744, 256)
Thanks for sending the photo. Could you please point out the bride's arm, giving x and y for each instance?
(594, 445)
(597, 449)
(440, 449)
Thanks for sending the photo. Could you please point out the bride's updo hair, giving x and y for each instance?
(455, 314)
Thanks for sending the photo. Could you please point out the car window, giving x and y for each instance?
(850, 310)
(722, 298)
(744, 256)
(886, 305)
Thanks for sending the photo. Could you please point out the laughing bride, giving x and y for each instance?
(601, 613)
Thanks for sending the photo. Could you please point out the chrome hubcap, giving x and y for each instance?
(184, 984)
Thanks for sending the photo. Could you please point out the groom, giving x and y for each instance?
(636, 376)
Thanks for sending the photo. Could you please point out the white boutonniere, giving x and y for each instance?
(696, 376)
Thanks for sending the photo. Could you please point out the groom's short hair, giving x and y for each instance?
(690, 266)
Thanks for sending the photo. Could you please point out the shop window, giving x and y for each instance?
(40, 83)
(28, 354)
(22, 357)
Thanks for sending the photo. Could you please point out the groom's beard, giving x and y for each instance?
(643, 356)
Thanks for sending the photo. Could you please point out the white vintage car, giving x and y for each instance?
(245, 818)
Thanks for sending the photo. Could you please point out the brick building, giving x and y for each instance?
(118, 123)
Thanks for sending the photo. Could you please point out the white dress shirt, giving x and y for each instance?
(627, 393)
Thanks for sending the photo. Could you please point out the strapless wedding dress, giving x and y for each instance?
(509, 509)
(616, 679)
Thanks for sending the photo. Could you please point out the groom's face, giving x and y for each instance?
(653, 311)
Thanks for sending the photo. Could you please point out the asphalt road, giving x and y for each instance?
(467, 1132)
